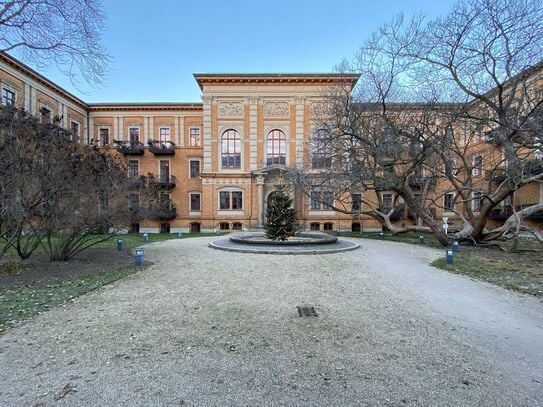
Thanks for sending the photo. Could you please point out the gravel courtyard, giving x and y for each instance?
(203, 327)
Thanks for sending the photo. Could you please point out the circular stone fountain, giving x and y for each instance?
(301, 243)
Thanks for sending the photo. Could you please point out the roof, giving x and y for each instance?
(145, 106)
(274, 78)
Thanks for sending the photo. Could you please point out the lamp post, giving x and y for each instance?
(139, 258)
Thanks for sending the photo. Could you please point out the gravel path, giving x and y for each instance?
(203, 327)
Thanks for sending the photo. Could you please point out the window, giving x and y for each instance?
(8, 97)
(74, 128)
(134, 134)
(133, 201)
(195, 201)
(315, 200)
(104, 136)
(164, 134)
(276, 147)
(322, 150)
(387, 203)
(194, 137)
(237, 226)
(195, 227)
(231, 149)
(45, 115)
(315, 226)
(355, 227)
(164, 167)
(194, 168)
(224, 226)
(477, 166)
(328, 226)
(328, 201)
(164, 228)
(448, 201)
(165, 200)
(133, 169)
(356, 202)
(477, 201)
(231, 200)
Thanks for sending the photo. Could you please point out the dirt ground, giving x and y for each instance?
(38, 271)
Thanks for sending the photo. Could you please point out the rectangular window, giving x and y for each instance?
(194, 137)
(194, 168)
(104, 136)
(231, 200)
(477, 201)
(133, 201)
(164, 171)
(448, 201)
(45, 115)
(195, 202)
(356, 204)
(74, 128)
(165, 200)
(164, 134)
(134, 134)
(328, 201)
(224, 200)
(315, 200)
(477, 166)
(133, 169)
(237, 200)
(8, 97)
(387, 203)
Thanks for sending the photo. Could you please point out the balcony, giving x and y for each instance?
(500, 213)
(161, 148)
(135, 181)
(130, 147)
(163, 181)
(161, 212)
(420, 182)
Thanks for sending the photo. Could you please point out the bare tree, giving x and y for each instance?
(442, 107)
(66, 33)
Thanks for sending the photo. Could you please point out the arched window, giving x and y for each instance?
(276, 147)
(231, 149)
(321, 156)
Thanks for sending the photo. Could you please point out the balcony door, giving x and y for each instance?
(164, 170)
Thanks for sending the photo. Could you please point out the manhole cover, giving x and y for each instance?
(304, 311)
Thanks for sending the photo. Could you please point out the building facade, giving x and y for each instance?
(216, 162)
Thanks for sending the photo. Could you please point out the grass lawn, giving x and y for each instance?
(519, 270)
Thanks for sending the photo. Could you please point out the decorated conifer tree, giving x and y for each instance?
(280, 216)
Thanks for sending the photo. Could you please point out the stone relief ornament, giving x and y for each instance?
(276, 109)
(318, 109)
(230, 109)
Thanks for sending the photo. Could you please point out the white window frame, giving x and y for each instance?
(200, 138)
(474, 200)
(200, 161)
(128, 166)
(445, 209)
(78, 135)
(231, 211)
(128, 133)
(475, 171)
(99, 136)
(11, 88)
(169, 134)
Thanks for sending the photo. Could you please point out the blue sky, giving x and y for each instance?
(157, 46)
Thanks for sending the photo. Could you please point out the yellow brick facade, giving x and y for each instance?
(252, 105)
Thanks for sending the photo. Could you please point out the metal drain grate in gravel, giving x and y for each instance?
(304, 311)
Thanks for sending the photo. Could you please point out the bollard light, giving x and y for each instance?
(421, 239)
(338, 232)
(139, 258)
(120, 245)
(217, 232)
(180, 234)
(455, 246)
(449, 256)
(381, 235)
(145, 237)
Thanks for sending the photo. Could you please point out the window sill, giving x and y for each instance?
(195, 213)
(229, 212)
(320, 212)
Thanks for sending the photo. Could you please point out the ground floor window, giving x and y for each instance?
(195, 227)
(224, 226)
(135, 228)
(231, 200)
(328, 226)
(356, 227)
(195, 201)
(315, 226)
(164, 228)
(236, 226)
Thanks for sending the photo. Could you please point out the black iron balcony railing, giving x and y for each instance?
(161, 212)
(166, 181)
(130, 147)
(161, 148)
